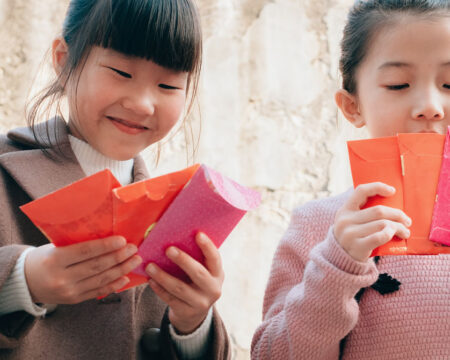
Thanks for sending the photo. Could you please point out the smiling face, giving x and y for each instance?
(403, 83)
(120, 105)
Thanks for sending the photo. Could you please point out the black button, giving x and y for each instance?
(150, 340)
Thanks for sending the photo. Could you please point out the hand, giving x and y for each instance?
(189, 303)
(359, 232)
(75, 273)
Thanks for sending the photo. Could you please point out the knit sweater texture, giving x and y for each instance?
(309, 304)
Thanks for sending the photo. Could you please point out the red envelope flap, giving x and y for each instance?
(429, 144)
(137, 206)
(374, 149)
(72, 202)
(156, 188)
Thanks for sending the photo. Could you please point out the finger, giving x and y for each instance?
(99, 264)
(381, 212)
(361, 231)
(76, 253)
(199, 275)
(379, 238)
(363, 192)
(168, 298)
(105, 290)
(172, 285)
(213, 261)
(110, 275)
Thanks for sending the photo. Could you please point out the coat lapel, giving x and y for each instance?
(36, 172)
(40, 174)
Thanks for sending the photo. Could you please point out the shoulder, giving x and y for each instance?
(311, 222)
(318, 212)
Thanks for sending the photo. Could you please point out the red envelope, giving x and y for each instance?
(440, 225)
(411, 163)
(97, 206)
(80, 212)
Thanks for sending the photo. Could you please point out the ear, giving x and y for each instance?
(60, 51)
(349, 106)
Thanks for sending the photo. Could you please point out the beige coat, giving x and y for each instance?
(121, 326)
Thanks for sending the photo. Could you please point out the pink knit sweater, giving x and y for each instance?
(309, 303)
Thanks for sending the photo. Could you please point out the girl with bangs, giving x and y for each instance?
(128, 70)
(326, 298)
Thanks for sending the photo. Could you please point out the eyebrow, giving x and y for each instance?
(395, 64)
(398, 64)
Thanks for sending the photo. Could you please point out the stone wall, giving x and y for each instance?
(268, 119)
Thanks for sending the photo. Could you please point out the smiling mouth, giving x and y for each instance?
(127, 123)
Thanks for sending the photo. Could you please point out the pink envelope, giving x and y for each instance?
(210, 203)
(440, 225)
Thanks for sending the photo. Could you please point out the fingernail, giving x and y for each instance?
(408, 221)
(151, 269)
(392, 188)
(201, 237)
(172, 252)
(119, 242)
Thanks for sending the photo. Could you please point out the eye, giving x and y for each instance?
(398, 87)
(446, 86)
(168, 87)
(121, 73)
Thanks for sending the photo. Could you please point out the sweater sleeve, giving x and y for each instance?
(218, 345)
(13, 326)
(194, 345)
(309, 304)
(15, 294)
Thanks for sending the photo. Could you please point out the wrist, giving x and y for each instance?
(186, 326)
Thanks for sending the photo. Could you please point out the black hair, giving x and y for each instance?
(167, 32)
(366, 17)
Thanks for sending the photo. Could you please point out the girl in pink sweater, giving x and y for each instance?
(395, 66)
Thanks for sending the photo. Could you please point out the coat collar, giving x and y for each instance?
(40, 173)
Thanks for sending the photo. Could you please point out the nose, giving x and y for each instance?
(428, 107)
(140, 101)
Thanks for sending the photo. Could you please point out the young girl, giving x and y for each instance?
(126, 69)
(396, 79)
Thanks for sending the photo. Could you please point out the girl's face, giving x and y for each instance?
(403, 84)
(123, 104)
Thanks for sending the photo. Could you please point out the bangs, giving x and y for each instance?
(166, 32)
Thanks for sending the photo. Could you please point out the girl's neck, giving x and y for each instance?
(92, 161)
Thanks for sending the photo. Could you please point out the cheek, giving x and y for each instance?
(173, 110)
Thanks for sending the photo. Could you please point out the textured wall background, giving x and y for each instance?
(268, 118)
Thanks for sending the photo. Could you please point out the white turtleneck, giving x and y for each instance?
(92, 161)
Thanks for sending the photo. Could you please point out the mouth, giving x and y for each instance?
(129, 124)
